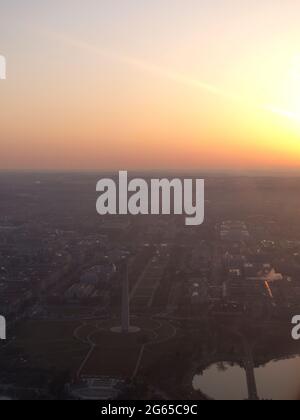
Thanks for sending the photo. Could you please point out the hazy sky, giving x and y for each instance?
(122, 84)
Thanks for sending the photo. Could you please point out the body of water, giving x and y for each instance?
(278, 380)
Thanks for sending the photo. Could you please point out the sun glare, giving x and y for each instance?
(290, 97)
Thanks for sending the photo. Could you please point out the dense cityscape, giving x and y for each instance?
(144, 307)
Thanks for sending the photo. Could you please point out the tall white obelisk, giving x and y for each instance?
(125, 299)
(125, 327)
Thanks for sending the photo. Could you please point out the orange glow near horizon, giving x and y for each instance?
(191, 89)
